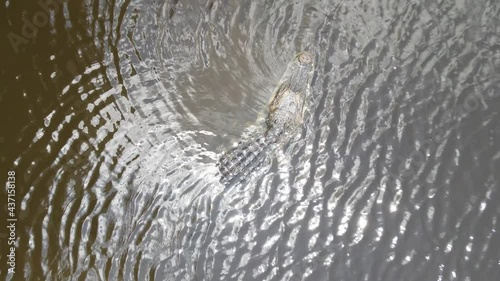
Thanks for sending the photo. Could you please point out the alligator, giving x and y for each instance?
(284, 119)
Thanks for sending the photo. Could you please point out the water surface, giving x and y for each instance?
(115, 114)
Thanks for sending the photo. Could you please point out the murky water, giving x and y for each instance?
(115, 113)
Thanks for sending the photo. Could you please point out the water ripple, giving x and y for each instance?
(393, 176)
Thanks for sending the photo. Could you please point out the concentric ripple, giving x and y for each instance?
(394, 175)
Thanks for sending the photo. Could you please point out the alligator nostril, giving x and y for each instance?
(305, 58)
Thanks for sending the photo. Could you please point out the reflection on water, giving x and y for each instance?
(115, 114)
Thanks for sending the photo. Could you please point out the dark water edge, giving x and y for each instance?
(114, 114)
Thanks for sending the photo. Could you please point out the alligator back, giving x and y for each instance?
(236, 164)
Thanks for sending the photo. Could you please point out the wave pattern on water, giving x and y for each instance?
(393, 176)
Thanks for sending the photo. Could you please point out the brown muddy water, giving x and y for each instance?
(114, 114)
